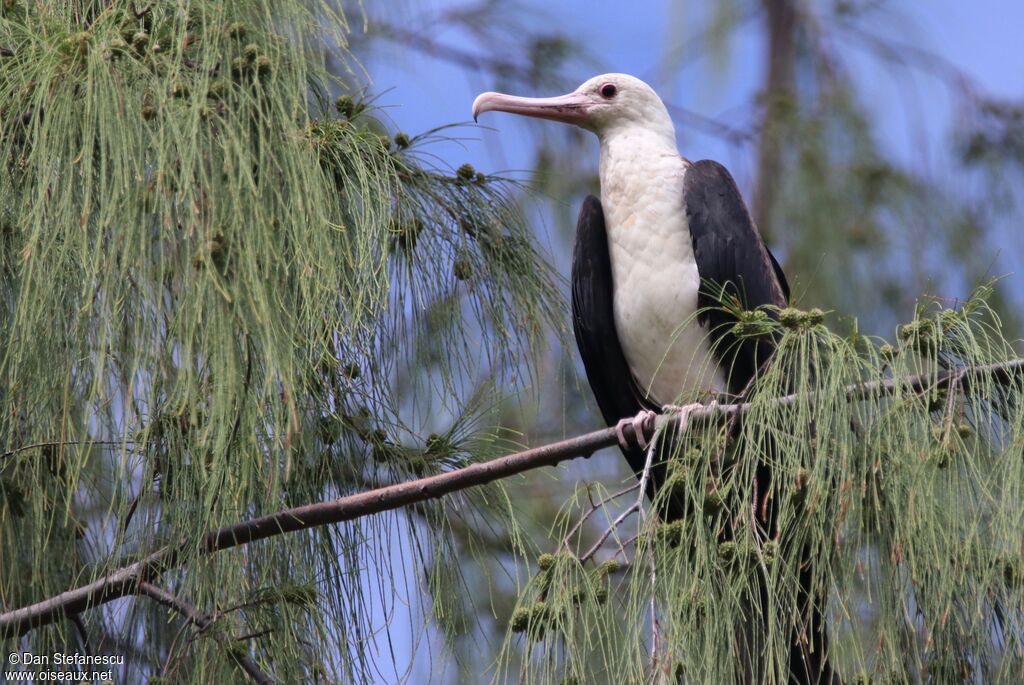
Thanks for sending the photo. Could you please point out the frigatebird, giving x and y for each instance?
(655, 256)
(655, 259)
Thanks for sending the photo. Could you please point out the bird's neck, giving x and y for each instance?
(654, 272)
(654, 138)
(639, 165)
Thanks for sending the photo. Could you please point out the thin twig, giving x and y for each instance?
(594, 507)
(255, 635)
(637, 506)
(201, 621)
(63, 443)
(452, 54)
(622, 548)
(655, 628)
(608, 531)
(644, 477)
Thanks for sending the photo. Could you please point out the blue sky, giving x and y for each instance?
(981, 38)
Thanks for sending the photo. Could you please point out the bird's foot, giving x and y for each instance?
(638, 428)
(686, 410)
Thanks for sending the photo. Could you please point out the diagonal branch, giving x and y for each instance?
(594, 508)
(201, 621)
(126, 581)
(449, 53)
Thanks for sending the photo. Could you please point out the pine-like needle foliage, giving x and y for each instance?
(221, 296)
(898, 506)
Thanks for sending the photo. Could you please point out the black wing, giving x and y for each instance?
(730, 254)
(593, 322)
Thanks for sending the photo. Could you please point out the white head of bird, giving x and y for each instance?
(655, 278)
(609, 105)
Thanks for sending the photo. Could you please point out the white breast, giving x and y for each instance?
(653, 268)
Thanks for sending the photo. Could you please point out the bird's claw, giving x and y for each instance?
(639, 426)
(686, 410)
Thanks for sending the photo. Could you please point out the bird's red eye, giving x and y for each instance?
(608, 90)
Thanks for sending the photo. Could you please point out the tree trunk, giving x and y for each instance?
(781, 22)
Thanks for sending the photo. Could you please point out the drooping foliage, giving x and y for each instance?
(895, 490)
(223, 293)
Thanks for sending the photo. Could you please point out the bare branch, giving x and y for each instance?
(449, 53)
(62, 443)
(201, 621)
(125, 581)
(635, 507)
(595, 507)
